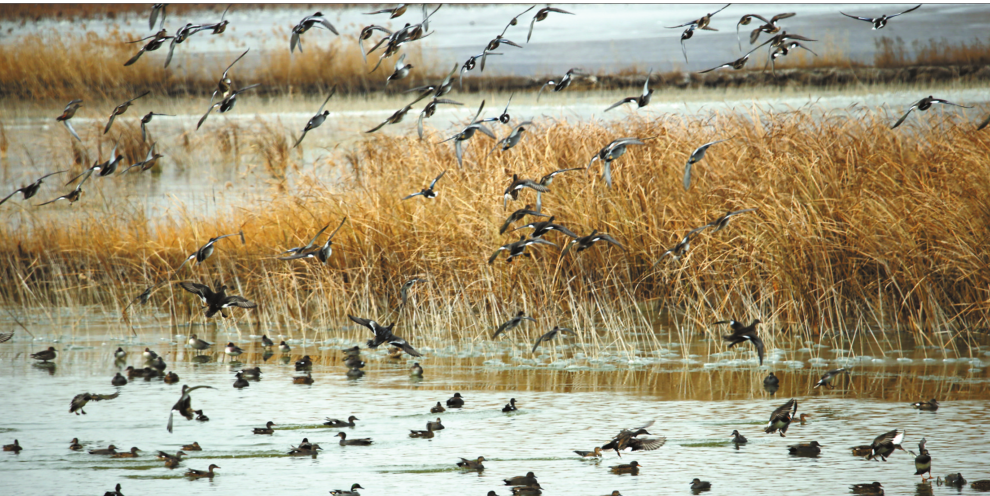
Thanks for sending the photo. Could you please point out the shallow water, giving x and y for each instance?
(567, 401)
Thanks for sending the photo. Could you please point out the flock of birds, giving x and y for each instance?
(216, 300)
(627, 440)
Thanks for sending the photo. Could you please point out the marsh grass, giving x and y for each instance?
(859, 229)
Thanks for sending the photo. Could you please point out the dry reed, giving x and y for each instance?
(859, 228)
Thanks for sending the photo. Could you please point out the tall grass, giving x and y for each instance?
(859, 228)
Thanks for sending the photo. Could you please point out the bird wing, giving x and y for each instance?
(405, 346)
(207, 114)
(543, 338)
(621, 102)
(459, 152)
(332, 91)
(984, 123)
(608, 239)
(783, 409)
(682, 25)
(905, 12)
(434, 183)
(531, 24)
(887, 436)
(413, 195)
(867, 19)
(4, 337)
(647, 444)
(538, 94)
(377, 127)
(687, 174)
(419, 125)
(22, 189)
(364, 322)
(234, 62)
(943, 102)
(495, 255)
(903, 117)
(760, 349)
(201, 290)
(68, 125)
(239, 301)
(101, 397)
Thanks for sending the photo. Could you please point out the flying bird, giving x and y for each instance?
(701, 23)
(216, 301)
(471, 63)
(315, 20)
(923, 105)
(629, 440)
(397, 116)
(430, 109)
(120, 109)
(68, 113)
(735, 64)
(144, 123)
(885, 444)
(155, 10)
(880, 22)
(743, 333)
(682, 246)
(184, 405)
(31, 189)
(723, 221)
(80, 400)
(226, 104)
(518, 215)
(404, 290)
(401, 70)
(696, 156)
(204, 252)
(384, 335)
(366, 33)
(769, 27)
(317, 120)
(563, 83)
(513, 139)
(512, 192)
(612, 151)
(826, 379)
(542, 15)
(438, 90)
(428, 192)
(469, 132)
(585, 242)
(517, 249)
(155, 42)
(322, 253)
(542, 227)
(552, 334)
(74, 195)
(781, 418)
(642, 100)
(149, 161)
(225, 86)
(512, 323)
(394, 12)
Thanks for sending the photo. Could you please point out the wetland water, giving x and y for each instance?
(567, 401)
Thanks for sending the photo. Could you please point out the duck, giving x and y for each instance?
(74, 195)
(512, 323)
(225, 87)
(430, 109)
(416, 370)
(353, 442)
(133, 453)
(982, 485)
(611, 152)
(456, 401)
(120, 354)
(45, 355)
(267, 429)
(769, 27)
(68, 113)
(340, 423)
(771, 381)
(232, 349)
(438, 408)
(304, 363)
(118, 380)
(923, 461)
(885, 444)
(626, 468)
(427, 192)
(79, 401)
(355, 373)
(955, 480)
(149, 355)
(826, 379)
(526, 491)
(120, 109)
(804, 418)
(252, 373)
(308, 22)
(150, 373)
(640, 100)
(781, 418)
(284, 348)
(515, 136)
(585, 242)
(805, 449)
(743, 333)
(476, 125)
(563, 83)
(700, 485)
(171, 378)
(133, 372)
(74, 444)
(517, 184)
(596, 453)
(398, 115)
(115, 492)
(519, 215)
(523, 480)
(552, 334)
(215, 302)
(200, 416)
(542, 227)
(401, 71)
(696, 156)
(738, 438)
(192, 447)
(265, 342)
(511, 407)
(427, 434)
(313, 123)
(880, 22)
(196, 474)
(308, 450)
(110, 450)
(198, 344)
(159, 364)
(146, 120)
(862, 450)
(241, 382)
(929, 406)
(436, 426)
(225, 105)
(627, 440)
(874, 488)
(518, 248)
(30, 190)
(384, 334)
(922, 105)
(16, 447)
(472, 464)
(166, 457)
(303, 379)
(352, 492)
(541, 15)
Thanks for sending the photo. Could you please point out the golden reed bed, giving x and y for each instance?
(859, 227)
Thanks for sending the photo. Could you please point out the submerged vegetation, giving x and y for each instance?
(858, 228)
